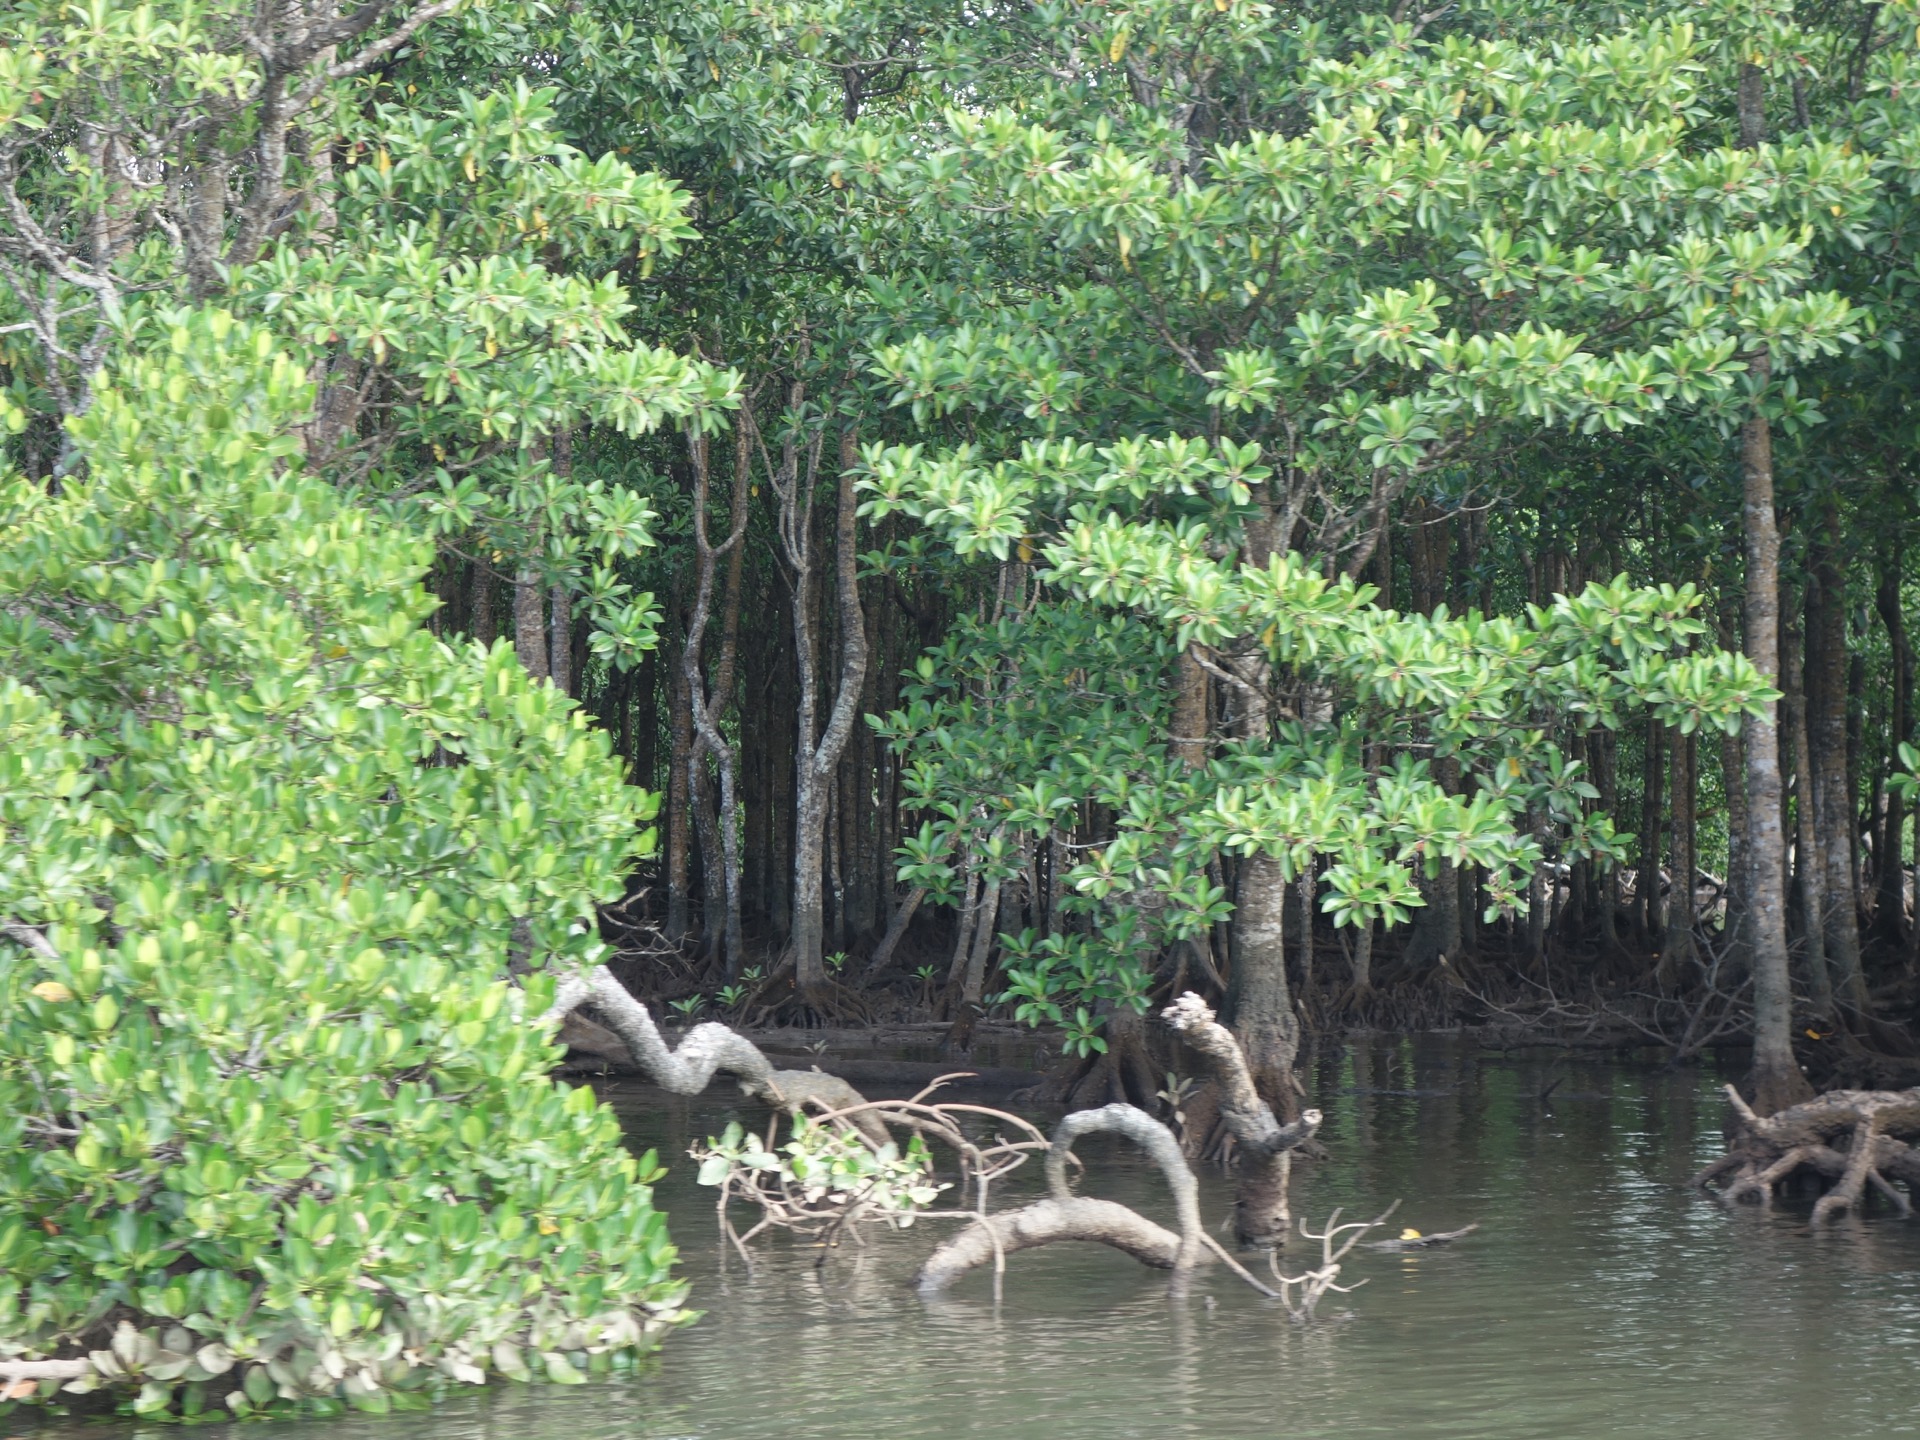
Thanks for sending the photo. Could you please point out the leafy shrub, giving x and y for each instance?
(275, 1130)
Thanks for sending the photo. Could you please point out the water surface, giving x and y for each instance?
(1601, 1297)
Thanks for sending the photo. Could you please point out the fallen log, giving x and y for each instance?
(1853, 1138)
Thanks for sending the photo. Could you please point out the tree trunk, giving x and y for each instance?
(1889, 918)
(1775, 1077)
(1363, 961)
(679, 804)
(1677, 951)
(974, 982)
(1261, 1006)
(1809, 878)
(1191, 711)
(1303, 949)
(1733, 772)
(1606, 772)
(529, 623)
(818, 761)
(1826, 682)
(480, 621)
(1646, 899)
(720, 828)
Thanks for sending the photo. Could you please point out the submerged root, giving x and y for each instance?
(1850, 1138)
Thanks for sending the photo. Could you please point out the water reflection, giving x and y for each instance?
(1599, 1298)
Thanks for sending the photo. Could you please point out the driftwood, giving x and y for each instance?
(1264, 1146)
(1853, 1138)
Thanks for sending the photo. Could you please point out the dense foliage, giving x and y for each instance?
(275, 1125)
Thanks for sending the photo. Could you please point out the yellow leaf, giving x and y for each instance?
(1118, 47)
(1126, 246)
(835, 181)
(547, 1227)
(1409, 1234)
(713, 70)
(1026, 551)
(1837, 210)
(473, 170)
(52, 991)
(383, 162)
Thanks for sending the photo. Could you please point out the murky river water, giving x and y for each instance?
(1600, 1298)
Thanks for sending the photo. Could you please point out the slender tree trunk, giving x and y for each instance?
(818, 760)
(782, 761)
(480, 613)
(679, 805)
(1826, 681)
(973, 984)
(1304, 949)
(973, 890)
(1809, 876)
(530, 619)
(1677, 953)
(1607, 782)
(560, 621)
(1733, 771)
(1775, 1079)
(1890, 913)
(1646, 900)
(720, 829)
(1539, 885)
(1363, 961)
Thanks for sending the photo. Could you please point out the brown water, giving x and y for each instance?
(1600, 1298)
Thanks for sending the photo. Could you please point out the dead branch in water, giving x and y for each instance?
(705, 1051)
(1315, 1285)
(823, 1184)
